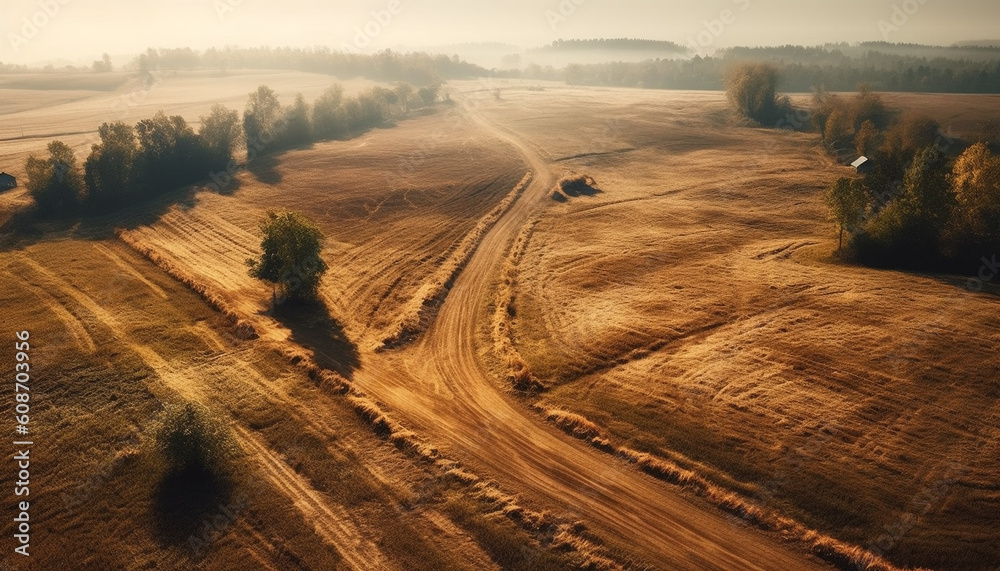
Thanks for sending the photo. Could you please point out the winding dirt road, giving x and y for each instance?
(440, 388)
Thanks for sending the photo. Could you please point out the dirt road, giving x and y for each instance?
(440, 388)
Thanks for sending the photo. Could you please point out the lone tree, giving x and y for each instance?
(290, 257)
(848, 202)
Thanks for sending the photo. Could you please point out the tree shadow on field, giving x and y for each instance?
(971, 283)
(24, 227)
(315, 329)
(185, 499)
(265, 169)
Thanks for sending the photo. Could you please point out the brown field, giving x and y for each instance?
(692, 311)
(717, 392)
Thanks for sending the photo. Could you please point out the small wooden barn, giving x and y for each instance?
(862, 165)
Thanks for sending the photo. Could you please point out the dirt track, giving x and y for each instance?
(439, 388)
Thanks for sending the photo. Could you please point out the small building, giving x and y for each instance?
(7, 181)
(862, 165)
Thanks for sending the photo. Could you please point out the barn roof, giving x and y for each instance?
(860, 161)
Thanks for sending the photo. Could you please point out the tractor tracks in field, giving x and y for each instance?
(437, 387)
(420, 311)
(330, 521)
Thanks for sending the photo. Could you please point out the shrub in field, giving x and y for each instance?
(190, 440)
(290, 255)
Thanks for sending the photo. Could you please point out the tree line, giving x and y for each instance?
(950, 70)
(134, 162)
(924, 201)
(417, 68)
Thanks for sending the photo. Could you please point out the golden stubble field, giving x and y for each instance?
(692, 310)
(689, 310)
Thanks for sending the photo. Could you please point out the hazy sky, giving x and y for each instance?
(80, 30)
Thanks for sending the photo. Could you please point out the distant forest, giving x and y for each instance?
(417, 68)
(884, 67)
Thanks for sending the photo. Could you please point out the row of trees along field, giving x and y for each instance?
(888, 67)
(131, 163)
(924, 203)
(417, 68)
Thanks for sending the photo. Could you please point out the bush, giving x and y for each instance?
(428, 95)
(912, 134)
(577, 185)
(857, 121)
(190, 440)
(571, 186)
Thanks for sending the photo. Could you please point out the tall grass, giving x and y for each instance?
(517, 370)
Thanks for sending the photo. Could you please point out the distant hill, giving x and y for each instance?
(613, 44)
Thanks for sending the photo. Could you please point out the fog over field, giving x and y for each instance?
(81, 30)
(417, 285)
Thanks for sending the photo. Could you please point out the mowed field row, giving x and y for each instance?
(393, 205)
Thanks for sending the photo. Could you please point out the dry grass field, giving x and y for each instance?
(686, 315)
(116, 339)
(691, 310)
